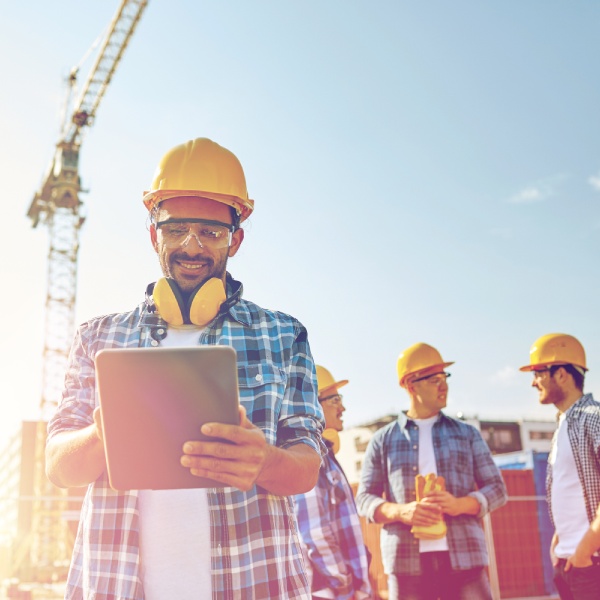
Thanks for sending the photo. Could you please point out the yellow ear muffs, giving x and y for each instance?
(331, 435)
(206, 302)
(168, 301)
(201, 308)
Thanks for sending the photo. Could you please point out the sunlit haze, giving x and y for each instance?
(422, 171)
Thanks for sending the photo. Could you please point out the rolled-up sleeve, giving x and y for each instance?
(301, 419)
(75, 410)
(372, 480)
(491, 490)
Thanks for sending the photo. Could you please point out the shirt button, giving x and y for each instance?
(414, 447)
(154, 343)
(414, 468)
(258, 377)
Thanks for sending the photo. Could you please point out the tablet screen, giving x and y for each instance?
(153, 400)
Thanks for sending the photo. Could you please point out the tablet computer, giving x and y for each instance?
(153, 400)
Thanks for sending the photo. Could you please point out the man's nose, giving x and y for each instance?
(188, 239)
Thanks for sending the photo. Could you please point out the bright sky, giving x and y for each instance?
(422, 171)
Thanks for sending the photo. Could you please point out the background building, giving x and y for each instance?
(38, 520)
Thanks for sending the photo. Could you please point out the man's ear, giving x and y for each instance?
(153, 238)
(236, 241)
(561, 375)
(409, 387)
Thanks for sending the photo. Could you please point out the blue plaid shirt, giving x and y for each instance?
(332, 535)
(583, 428)
(255, 546)
(462, 458)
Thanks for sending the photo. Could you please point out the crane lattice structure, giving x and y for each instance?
(58, 205)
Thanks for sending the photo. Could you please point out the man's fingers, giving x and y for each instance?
(568, 565)
(244, 421)
(227, 479)
(98, 423)
(228, 472)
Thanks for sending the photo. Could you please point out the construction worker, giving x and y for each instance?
(558, 364)
(238, 541)
(432, 541)
(327, 519)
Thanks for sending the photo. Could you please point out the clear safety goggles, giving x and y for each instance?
(209, 234)
(435, 379)
(335, 400)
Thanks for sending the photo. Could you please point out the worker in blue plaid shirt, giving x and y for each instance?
(237, 541)
(327, 518)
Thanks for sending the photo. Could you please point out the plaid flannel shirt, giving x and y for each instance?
(462, 458)
(255, 547)
(331, 532)
(583, 428)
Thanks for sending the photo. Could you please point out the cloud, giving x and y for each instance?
(539, 190)
(528, 194)
(506, 377)
(594, 181)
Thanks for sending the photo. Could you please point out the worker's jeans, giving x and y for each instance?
(438, 581)
(577, 584)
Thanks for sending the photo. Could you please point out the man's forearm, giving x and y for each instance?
(590, 542)
(290, 471)
(75, 458)
(390, 512)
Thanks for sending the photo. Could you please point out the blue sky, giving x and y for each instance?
(421, 171)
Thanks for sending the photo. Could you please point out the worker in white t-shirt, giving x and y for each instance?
(558, 364)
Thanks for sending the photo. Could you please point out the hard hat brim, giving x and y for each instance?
(424, 371)
(333, 387)
(527, 368)
(242, 206)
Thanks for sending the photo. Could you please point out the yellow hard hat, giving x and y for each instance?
(201, 168)
(326, 382)
(418, 360)
(556, 349)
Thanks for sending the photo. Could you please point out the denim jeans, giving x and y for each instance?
(438, 581)
(577, 584)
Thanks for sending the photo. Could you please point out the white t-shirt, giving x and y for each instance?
(428, 465)
(175, 526)
(568, 505)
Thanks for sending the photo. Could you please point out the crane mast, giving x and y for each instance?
(57, 204)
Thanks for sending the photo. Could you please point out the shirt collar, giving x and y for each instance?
(579, 406)
(403, 420)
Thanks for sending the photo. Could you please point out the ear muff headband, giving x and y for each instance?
(201, 308)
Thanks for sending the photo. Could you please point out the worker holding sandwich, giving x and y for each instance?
(439, 480)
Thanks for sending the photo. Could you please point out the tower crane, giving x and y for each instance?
(57, 204)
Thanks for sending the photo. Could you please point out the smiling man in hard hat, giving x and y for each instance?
(558, 364)
(432, 541)
(237, 541)
(327, 519)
